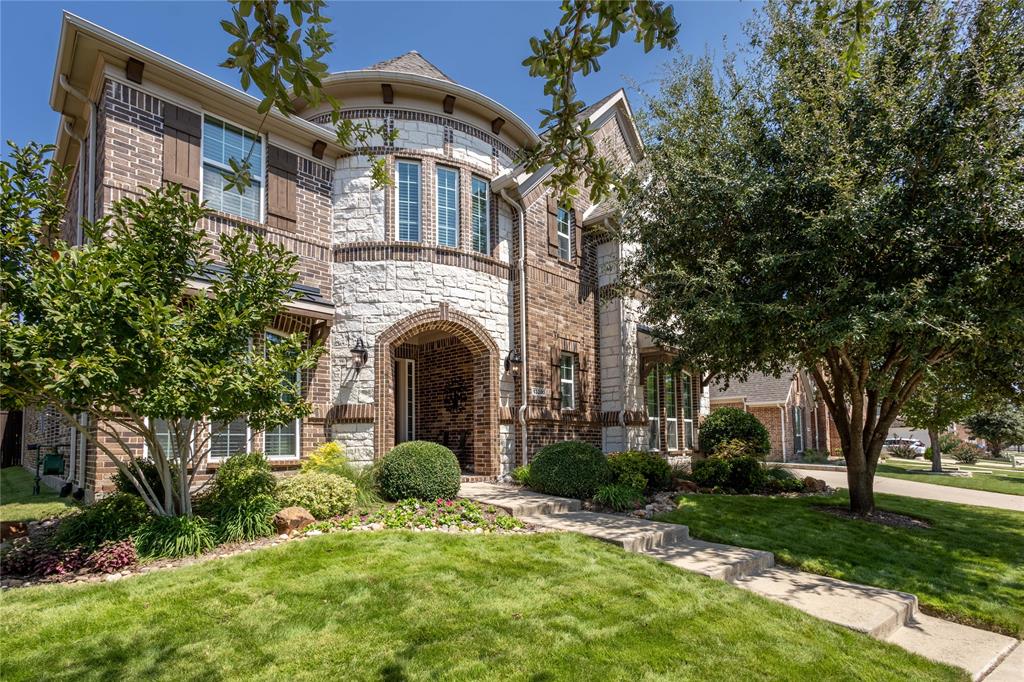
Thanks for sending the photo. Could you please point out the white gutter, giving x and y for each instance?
(524, 375)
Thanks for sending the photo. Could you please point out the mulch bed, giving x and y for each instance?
(880, 517)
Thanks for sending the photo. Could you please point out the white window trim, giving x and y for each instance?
(398, 202)
(408, 367)
(145, 444)
(263, 164)
(209, 443)
(567, 234)
(487, 214)
(571, 381)
(653, 422)
(298, 422)
(671, 422)
(437, 204)
(687, 421)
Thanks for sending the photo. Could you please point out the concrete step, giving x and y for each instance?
(633, 535)
(871, 610)
(1011, 669)
(517, 501)
(722, 562)
(976, 651)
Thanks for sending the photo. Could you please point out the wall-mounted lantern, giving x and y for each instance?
(513, 361)
(359, 354)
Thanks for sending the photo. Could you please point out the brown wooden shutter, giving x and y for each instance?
(553, 226)
(183, 131)
(556, 374)
(582, 381)
(282, 172)
(577, 235)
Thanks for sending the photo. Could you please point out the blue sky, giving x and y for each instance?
(478, 44)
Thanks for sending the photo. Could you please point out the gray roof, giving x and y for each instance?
(758, 388)
(410, 62)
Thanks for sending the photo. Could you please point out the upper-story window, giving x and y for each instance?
(408, 201)
(447, 206)
(221, 143)
(564, 234)
(481, 216)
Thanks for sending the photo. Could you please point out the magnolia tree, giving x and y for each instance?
(118, 328)
(869, 229)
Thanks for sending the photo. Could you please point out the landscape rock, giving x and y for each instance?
(688, 487)
(291, 519)
(814, 485)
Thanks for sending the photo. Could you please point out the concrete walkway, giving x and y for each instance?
(884, 614)
(924, 491)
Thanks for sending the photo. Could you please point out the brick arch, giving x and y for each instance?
(485, 355)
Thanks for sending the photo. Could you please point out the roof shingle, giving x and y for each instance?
(410, 62)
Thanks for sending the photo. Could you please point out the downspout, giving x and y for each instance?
(782, 436)
(79, 231)
(93, 113)
(524, 374)
(622, 352)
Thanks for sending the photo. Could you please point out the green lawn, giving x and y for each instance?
(969, 566)
(999, 481)
(399, 605)
(17, 503)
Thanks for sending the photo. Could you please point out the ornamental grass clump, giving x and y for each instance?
(420, 470)
(175, 536)
(115, 517)
(330, 458)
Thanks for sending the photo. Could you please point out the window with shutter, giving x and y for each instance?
(282, 174)
(552, 220)
(181, 157)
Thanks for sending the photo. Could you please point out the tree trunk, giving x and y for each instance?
(862, 490)
(933, 436)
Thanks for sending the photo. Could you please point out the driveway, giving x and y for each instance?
(925, 491)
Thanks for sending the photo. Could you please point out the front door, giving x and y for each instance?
(405, 401)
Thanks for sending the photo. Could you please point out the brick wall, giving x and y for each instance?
(442, 367)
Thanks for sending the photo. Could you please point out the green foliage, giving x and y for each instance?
(330, 457)
(321, 494)
(966, 453)
(734, 448)
(248, 520)
(738, 474)
(521, 474)
(712, 472)
(175, 536)
(812, 456)
(790, 216)
(460, 514)
(654, 472)
(115, 517)
(151, 472)
(420, 470)
(902, 450)
(728, 424)
(569, 469)
(102, 327)
(999, 428)
(619, 496)
(779, 480)
(240, 478)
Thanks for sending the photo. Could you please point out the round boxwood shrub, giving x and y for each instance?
(729, 423)
(569, 469)
(421, 470)
(652, 467)
(321, 494)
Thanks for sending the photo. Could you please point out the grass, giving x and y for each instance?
(967, 567)
(998, 481)
(17, 503)
(399, 605)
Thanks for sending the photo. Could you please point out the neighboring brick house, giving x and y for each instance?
(461, 304)
(788, 407)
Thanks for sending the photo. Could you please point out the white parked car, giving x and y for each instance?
(896, 445)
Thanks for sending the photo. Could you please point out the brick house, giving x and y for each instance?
(461, 304)
(788, 406)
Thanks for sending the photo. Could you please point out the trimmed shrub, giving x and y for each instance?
(966, 453)
(115, 517)
(321, 494)
(729, 423)
(152, 475)
(330, 458)
(521, 474)
(812, 456)
(242, 477)
(712, 472)
(734, 449)
(618, 496)
(175, 536)
(420, 470)
(569, 469)
(650, 466)
(746, 475)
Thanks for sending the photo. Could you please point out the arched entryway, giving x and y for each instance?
(436, 379)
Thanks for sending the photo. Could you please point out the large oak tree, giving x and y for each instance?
(866, 229)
